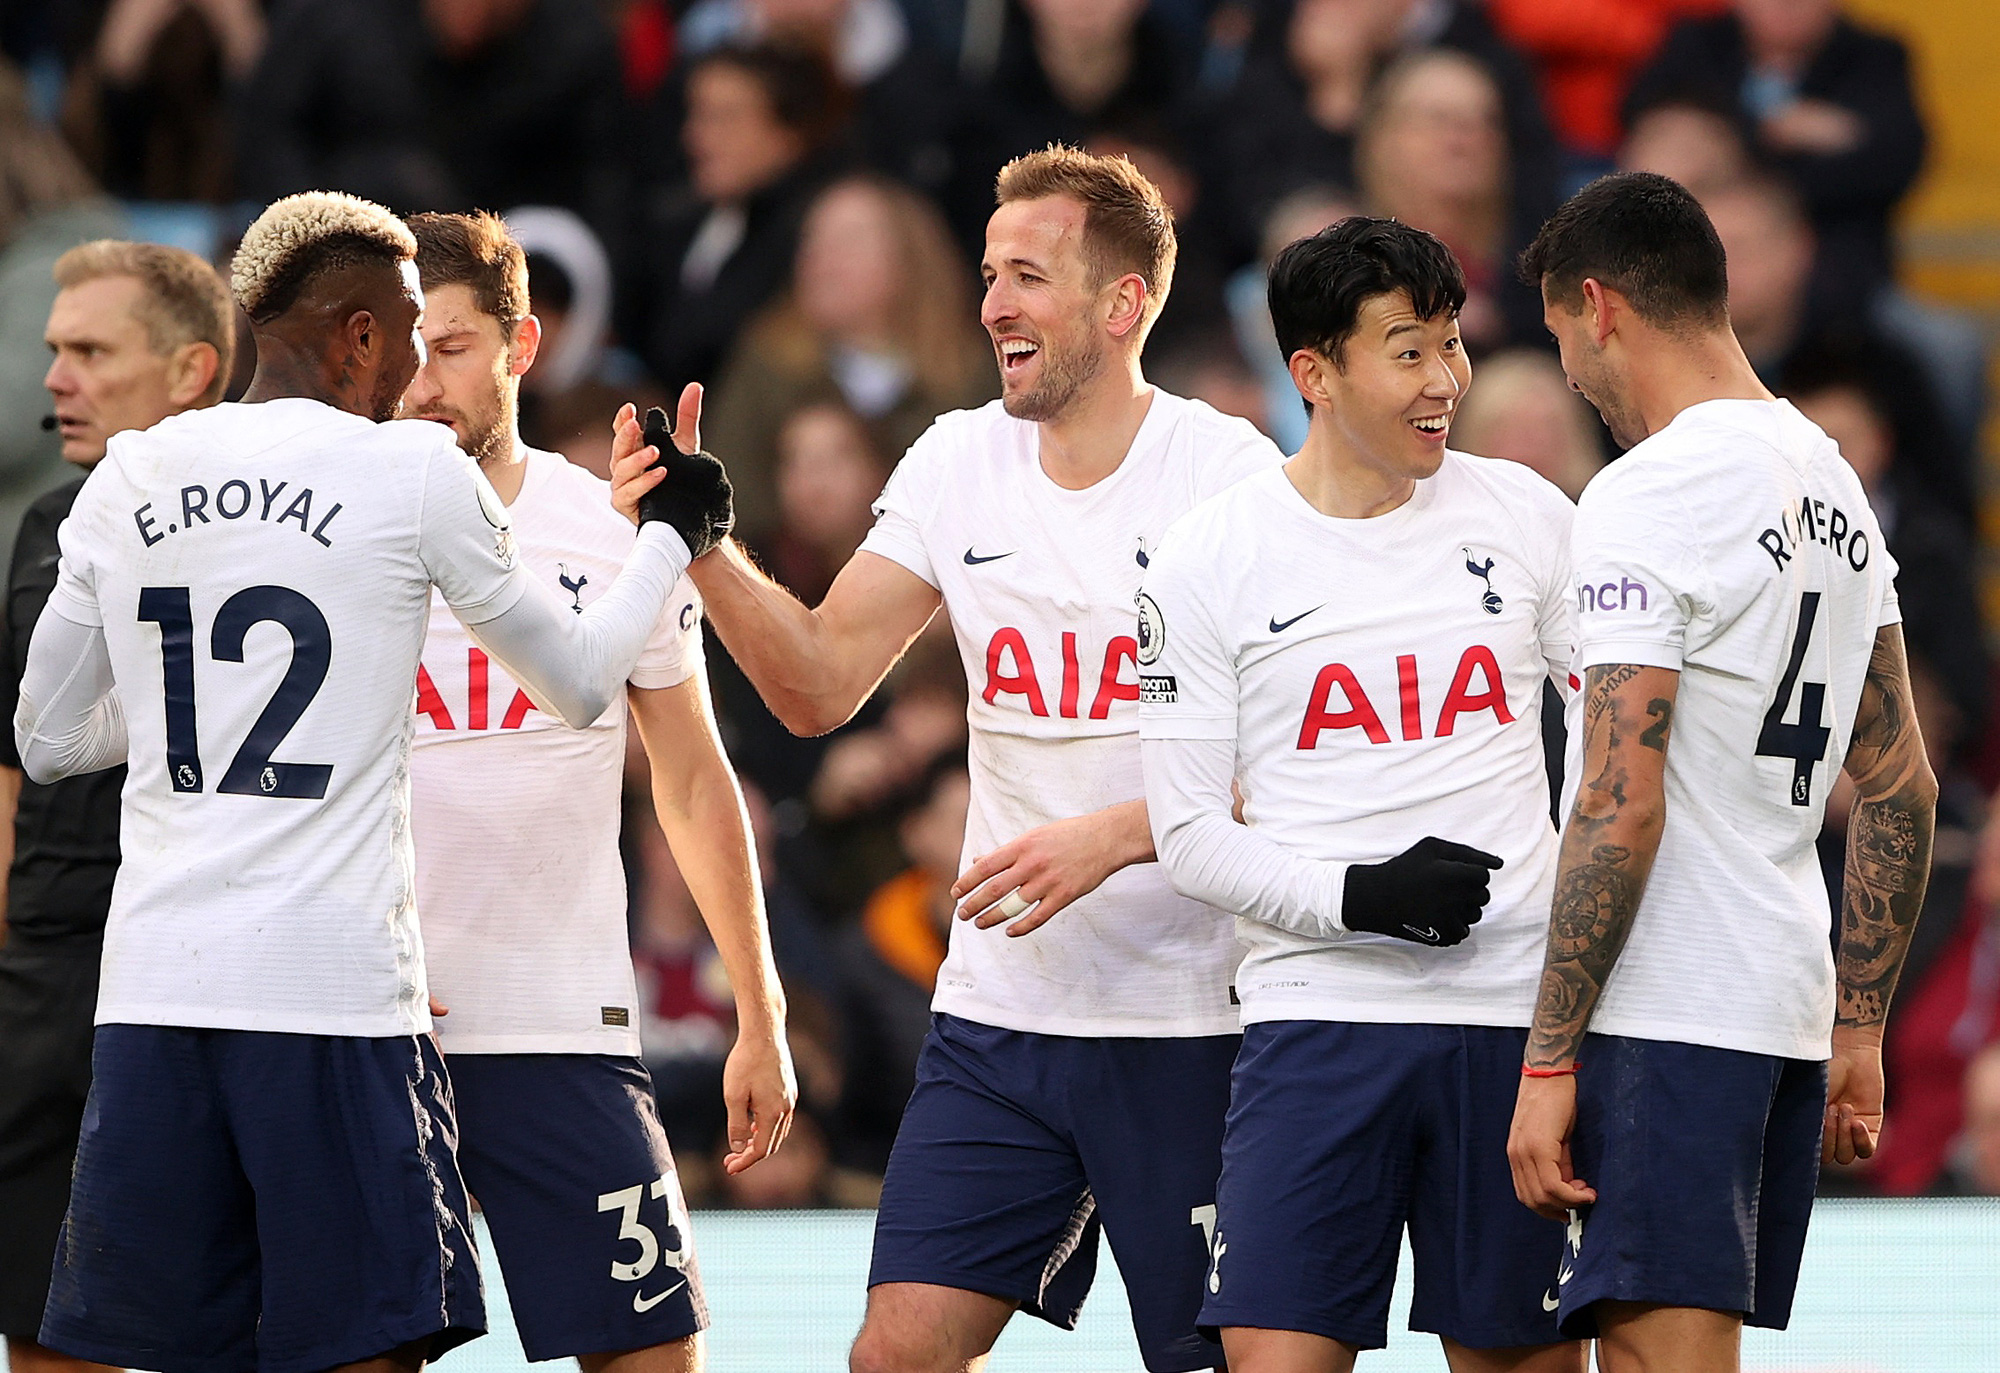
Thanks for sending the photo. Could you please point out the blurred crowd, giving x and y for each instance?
(784, 200)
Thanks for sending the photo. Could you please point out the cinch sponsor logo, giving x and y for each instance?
(1618, 595)
(1338, 700)
(1010, 671)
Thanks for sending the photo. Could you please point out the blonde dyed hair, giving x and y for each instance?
(302, 236)
(182, 299)
(1127, 226)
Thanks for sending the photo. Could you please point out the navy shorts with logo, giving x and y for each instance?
(1342, 1134)
(252, 1202)
(1704, 1161)
(566, 1157)
(1017, 1147)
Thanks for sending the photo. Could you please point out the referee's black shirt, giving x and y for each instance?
(66, 835)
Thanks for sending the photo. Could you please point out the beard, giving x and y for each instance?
(485, 439)
(1065, 372)
(1598, 387)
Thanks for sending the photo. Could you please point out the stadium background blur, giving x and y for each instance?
(784, 199)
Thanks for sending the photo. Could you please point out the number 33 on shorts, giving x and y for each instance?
(626, 1201)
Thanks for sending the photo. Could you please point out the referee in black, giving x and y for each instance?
(138, 332)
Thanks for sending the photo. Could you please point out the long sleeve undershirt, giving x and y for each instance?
(1211, 858)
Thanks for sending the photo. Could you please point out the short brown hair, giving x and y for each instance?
(1127, 226)
(183, 299)
(474, 250)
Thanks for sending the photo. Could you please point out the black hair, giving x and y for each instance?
(804, 93)
(1319, 284)
(1643, 235)
(322, 258)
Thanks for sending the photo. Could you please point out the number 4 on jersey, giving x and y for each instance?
(1805, 742)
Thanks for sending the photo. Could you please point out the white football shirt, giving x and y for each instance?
(516, 816)
(1039, 582)
(1736, 547)
(1381, 681)
(262, 573)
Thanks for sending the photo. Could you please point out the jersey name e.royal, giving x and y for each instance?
(516, 815)
(1382, 681)
(1040, 584)
(1736, 547)
(263, 577)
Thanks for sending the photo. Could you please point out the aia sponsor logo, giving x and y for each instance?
(1011, 671)
(430, 701)
(1338, 700)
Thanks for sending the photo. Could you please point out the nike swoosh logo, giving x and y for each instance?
(1428, 934)
(1280, 626)
(974, 560)
(643, 1304)
(1550, 1301)
(1563, 1275)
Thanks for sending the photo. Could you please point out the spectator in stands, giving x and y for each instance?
(578, 378)
(440, 105)
(1063, 69)
(1841, 384)
(1432, 151)
(1585, 53)
(1829, 103)
(829, 472)
(149, 105)
(889, 963)
(1975, 1166)
(1770, 249)
(1697, 145)
(879, 318)
(1520, 407)
(1293, 115)
(709, 255)
(905, 102)
(1212, 369)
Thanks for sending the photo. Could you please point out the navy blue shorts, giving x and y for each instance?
(1017, 1147)
(567, 1158)
(1704, 1161)
(1339, 1136)
(281, 1203)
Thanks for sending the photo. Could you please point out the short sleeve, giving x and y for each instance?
(1242, 452)
(905, 506)
(466, 542)
(1634, 593)
(1187, 673)
(75, 594)
(1891, 612)
(674, 653)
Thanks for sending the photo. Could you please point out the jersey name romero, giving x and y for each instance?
(261, 573)
(1040, 584)
(1736, 547)
(1381, 680)
(516, 815)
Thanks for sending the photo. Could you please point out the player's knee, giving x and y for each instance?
(878, 1349)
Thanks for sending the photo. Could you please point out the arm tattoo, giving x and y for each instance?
(1607, 853)
(1888, 840)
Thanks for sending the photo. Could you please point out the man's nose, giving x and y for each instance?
(59, 379)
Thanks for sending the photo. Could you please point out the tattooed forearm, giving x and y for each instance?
(1607, 851)
(1888, 840)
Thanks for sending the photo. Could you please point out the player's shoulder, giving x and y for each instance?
(1225, 519)
(1226, 447)
(1514, 483)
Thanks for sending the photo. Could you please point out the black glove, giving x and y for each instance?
(1431, 893)
(695, 498)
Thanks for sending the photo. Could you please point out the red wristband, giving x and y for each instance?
(1570, 1071)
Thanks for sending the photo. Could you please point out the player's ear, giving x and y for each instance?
(361, 334)
(1309, 373)
(1598, 304)
(525, 346)
(1127, 305)
(190, 371)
